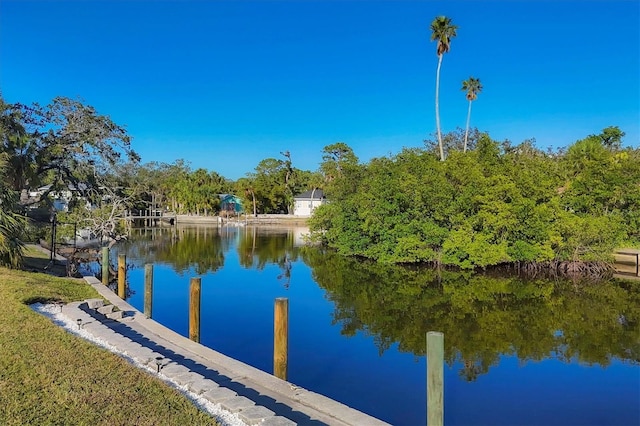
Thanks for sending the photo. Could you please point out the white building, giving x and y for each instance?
(305, 203)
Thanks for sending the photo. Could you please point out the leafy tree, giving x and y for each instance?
(274, 184)
(295, 181)
(315, 181)
(14, 143)
(335, 157)
(64, 143)
(177, 187)
(454, 140)
(339, 167)
(68, 145)
(496, 204)
(269, 179)
(246, 187)
(472, 86)
(442, 31)
(611, 137)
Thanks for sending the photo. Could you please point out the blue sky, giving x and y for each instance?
(225, 84)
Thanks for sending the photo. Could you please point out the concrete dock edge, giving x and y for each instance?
(284, 399)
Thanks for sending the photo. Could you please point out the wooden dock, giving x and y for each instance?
(627, 262)
(151, 218)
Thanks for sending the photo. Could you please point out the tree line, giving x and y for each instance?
(490, 203)
(496, 203)
(68, 146)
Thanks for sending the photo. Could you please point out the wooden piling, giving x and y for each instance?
(122, 275)
(105, 266)
(281, 337)
(194, 309)
(628, 261)
(435, 378)
(148, 289)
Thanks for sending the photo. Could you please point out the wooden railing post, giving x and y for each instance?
(194, 309)
(105, 266)
(281, 337)
(122, 276)
(148, 289)
(435, 378)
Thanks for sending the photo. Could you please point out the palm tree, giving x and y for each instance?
(472, 86)
(442, 31)
(11, 224)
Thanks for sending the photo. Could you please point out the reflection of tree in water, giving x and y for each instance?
(258, 248)
(285, 266)
(203, 248)
(472, 369)
(183, 248)
(483, 317)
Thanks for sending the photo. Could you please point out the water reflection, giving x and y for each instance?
(483, 317)
(358, 328)
(202, 249)
(276, 246)
(199, 249)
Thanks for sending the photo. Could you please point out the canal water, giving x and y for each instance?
(517, 351)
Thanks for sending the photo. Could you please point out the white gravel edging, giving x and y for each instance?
(52, 311)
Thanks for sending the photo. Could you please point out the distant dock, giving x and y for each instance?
(627, 262)
(149, 218)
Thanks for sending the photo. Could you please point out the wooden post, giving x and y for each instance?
(194, 309)
(122, 275)
(148, 289)
(105, 266)
(435, 378)
(635, 268)
(281, 337)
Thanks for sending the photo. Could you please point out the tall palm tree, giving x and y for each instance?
(472, 86)
(442, 31)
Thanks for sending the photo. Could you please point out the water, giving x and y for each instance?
(517, 352)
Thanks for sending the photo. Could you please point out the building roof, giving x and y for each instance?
(224, 197)
(317, 195)
(71, 187)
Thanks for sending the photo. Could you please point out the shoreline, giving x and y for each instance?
(261, 219)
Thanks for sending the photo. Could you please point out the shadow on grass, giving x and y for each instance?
(44, 265)
(43, 300)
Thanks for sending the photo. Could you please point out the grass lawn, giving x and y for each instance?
(38, 260)
(49, 376)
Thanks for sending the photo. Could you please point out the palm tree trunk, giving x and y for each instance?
(438, 108)
(466, 133)
(255, 211)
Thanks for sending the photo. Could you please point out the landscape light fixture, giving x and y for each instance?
(159, 362)
(79, 321)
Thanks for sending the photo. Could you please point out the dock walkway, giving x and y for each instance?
(628, 261)
(255, 396)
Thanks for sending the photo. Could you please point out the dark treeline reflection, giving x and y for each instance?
(260, 247)
(201, 249)
(204, 248)
(483, 317)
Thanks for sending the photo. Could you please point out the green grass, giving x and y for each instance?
(37, 260)
(49, 376)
